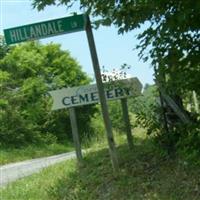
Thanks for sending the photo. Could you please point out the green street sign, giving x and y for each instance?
(45, 29)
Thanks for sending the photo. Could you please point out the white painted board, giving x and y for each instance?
(88, 94)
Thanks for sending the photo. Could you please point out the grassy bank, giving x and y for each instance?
(9, 155)
(145, 175)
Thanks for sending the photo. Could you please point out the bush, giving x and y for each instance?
(26, 116)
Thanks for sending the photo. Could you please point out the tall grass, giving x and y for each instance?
(9, 155)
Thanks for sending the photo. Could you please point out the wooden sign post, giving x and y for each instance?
(75, 134)
(127, 123)
(104, 107)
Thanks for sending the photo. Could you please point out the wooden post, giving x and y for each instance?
(102, 98)
(127, 122)
(183, 117)
(75, 134)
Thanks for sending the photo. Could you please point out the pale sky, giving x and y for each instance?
(113, 50)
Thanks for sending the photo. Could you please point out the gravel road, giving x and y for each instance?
(12, 172)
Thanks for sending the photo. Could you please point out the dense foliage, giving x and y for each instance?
(146, 110)
(170, 133)
(27, 72)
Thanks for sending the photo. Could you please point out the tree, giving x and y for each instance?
(28, 72)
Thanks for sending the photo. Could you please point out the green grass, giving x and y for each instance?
(10, 155)
(145, 174)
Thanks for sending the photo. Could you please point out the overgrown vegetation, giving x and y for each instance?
(146, 173)
(168, 110)
(171, 135)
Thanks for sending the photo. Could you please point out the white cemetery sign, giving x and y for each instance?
(88, 94)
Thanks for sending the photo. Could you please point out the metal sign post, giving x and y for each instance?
(102, 98)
